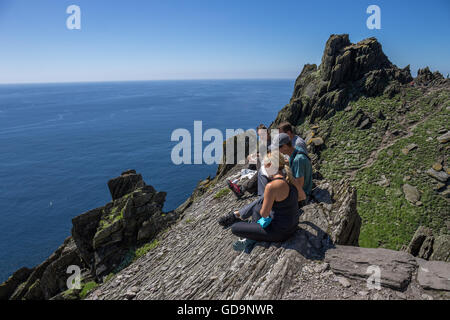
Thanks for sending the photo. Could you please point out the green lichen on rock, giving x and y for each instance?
(112, 216)
(145, 249)
(71, 294)
(221, 193)
(87, 287)
(109, 277)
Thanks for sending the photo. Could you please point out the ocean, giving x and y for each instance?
(61, 143)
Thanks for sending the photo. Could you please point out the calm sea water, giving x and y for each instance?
(61, 143)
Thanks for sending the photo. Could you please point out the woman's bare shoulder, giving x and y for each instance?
(276, 184)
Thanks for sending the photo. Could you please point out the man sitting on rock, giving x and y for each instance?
(299, 162)
(297, 141)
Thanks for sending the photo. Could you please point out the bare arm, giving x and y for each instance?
(298, 183)
(269, 198)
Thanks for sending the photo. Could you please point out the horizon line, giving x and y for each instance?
(148, 80)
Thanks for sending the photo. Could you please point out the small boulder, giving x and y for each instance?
(365, 124)
(344, 282)
(439, 186)
(409, 148)
(411, 193)
(317, 141)
(441, 176)
(437, 166)
(321, 267)
(131, 293)
(444, 138)
(352, 262)
(434, 275)
(384, 182)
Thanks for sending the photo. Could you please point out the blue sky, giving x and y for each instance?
(206, 39)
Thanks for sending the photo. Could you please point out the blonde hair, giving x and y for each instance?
(276, 158)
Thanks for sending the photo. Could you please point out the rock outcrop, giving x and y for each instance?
(425, 246)
(347, 71)
(334, 212)
(48, 278)
(426, 77)
(104, 235)
(101, 239)
(127, 182)
(441, 248)
(9, 286)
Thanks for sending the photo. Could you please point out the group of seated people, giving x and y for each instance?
(283, 183)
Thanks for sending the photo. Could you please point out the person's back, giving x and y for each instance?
(284, 212)
(301, 167)
(297, 141)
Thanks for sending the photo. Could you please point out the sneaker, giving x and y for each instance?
(228, 219)
(235, 188)
(245, 245)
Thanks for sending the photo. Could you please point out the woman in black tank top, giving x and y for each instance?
(282, 209)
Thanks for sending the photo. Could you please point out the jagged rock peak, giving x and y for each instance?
(351, 60)
(347, 71)
(426, 77)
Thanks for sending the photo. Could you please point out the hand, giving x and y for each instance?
(264, 222)
(252, 158)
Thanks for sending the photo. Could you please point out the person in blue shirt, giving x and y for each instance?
(299, 163)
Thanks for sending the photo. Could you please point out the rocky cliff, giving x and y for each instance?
(131, 249)
(103, 241)
(347, 72)
(371, 123)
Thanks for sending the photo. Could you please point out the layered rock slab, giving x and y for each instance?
(396, 267)
(433, 275)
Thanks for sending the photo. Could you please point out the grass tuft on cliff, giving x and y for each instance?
(87, 287)
(221, 193)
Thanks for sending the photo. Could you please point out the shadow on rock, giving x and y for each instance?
(311, 245)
